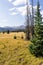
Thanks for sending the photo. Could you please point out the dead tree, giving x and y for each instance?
(27, 23)
(32, 19)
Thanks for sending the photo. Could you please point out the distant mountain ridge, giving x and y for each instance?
(15, 28)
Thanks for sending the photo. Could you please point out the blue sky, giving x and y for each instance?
(12, 12)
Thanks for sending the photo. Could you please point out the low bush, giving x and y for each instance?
(15, 37)
(22, 37)
(8, 31)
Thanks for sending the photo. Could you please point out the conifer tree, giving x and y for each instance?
(36, 47)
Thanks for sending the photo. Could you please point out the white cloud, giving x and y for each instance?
(24, 13)
(35, 7)
(3, 20)
(11, 9)
(13, 13)
(10, 0)
(19, 10)
(22, 10)
(19, 2)
(42, 13)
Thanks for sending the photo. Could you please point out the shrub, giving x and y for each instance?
(15, 37)
(22, 37)
(8, 31)
(3, 32)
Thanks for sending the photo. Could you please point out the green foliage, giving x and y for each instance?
(8, 31)
(22, 37)
(36, 47)
(3, 32)
(15, 37)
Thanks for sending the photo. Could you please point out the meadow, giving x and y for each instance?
(15, 51)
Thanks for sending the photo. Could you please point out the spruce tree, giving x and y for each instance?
(36, 47)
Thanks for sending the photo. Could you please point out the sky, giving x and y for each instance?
(13, 12)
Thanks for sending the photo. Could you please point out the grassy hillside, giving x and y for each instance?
(15, 51)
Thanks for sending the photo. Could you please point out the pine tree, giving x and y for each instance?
(36, 47)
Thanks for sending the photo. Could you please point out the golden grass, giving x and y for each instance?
(15, 51)
(11, 35)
